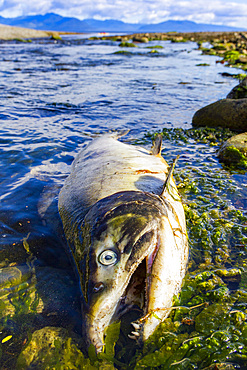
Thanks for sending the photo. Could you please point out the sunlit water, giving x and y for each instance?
(55, 96)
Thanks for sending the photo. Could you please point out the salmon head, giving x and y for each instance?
(121, 256)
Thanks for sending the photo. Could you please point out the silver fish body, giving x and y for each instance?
(127, 234)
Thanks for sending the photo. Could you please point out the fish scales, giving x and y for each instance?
(124, 231)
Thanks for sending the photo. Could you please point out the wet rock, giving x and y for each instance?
(60, 297)
(18, 292)
(179, 39)
(51, 348)
(227, 113)
(142, 39)
(242, 59)
(239, 91)
(234, 151)
(127, 45)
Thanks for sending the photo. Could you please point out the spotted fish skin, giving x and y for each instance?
(117, 216)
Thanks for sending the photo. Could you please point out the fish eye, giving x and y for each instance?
(108, 257)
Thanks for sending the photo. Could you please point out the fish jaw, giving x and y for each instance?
(168, 270)
(103, 305)
(97, 321)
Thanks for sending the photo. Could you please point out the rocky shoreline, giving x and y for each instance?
(228, 113)
(230, 46)
(19, 33)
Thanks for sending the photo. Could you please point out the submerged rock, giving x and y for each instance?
(57, 348)
(227, 113)
(239, 91)
(51, 348)
(127, 45)
(234, 151)
(18, 294)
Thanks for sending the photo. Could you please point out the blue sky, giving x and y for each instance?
(222, 12)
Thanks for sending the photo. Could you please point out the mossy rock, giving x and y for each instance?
(56, 36)
(155, 47)
(123, 52)
(178, 39)
(226, 113)
(127, 45)
(57, 348)
(234, 151)
(142, 39)
(239, 91)
(18, 293)
(53, 348)
(208, 51)
(231, 56)
(219, 47)
(153, 51)
(23, 40)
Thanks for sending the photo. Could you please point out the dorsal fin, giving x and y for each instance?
(167, 184)
(157, 143)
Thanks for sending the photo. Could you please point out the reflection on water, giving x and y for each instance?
(55, 96)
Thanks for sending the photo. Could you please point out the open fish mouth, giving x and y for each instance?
(137, 293)
(133, 297)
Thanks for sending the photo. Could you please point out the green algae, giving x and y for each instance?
(55, 36)
(53, 348)
(239, 76)
(201, 135)
(235, 157)
(179, 39)
(153, 51)
(155, 47)
(23, 40)
(123, 52)
(19, 304)
(127, 45)
(228, 52)
(57, 348)
(232, 55)
(208, 324)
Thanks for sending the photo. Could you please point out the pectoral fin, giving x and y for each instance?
(169, 185)
(157, 145)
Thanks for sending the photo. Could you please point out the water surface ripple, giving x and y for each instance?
(55, 96)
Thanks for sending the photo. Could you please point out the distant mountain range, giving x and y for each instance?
(55, 22)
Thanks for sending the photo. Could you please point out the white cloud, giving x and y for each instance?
(227, 12)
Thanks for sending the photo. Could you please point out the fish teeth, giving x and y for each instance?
(131, 336)
(136, 326)
(135, 333)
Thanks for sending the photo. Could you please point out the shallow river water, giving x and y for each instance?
(55, 96)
